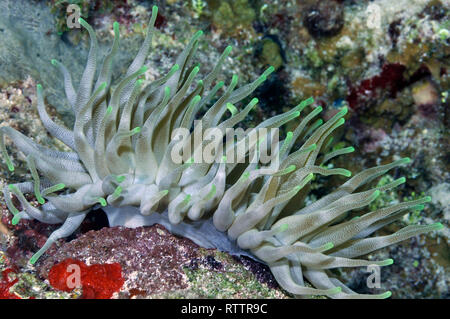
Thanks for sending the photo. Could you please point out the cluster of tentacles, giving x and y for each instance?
(122, 143)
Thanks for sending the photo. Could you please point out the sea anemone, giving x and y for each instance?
(123, 141)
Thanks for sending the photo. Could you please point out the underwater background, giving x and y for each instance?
(387, 60)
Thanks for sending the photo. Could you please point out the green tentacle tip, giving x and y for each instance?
(187, 199)
(10, 166)
(197, 98)
(108, 110)
(334, 291)
(388, 262)
(291, 168)
(15, 220)
(102, 201)
(117, 191)
(228, 50)
(83, 22)
(233, 110)
(346, 173)
(306, 102)
(284, 227)
(34, 258)
(245, 175)
(53, 189)
(406, 160)
(328, 246)
(340, 121)
(135, 130)
(120, 179)
(154, 9)
(175, 67)
(102, 86)
(164, 192)
(220, 84)
(296, 114)
(402, 180)
(12, 187)
(343, 111)
(386, 295)
(319, 109)
(143, 69)
(212, 192)
(254, 101)
(54, 62)
(351, 149)
(224, 159)
(40, 199)
(285, 171)
(116, 26)
(438, 226)
(198, 34)
(269, 70)
(376, 193)
(39, 87)
(427, 199)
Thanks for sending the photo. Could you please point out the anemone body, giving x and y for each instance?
(122, 142)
